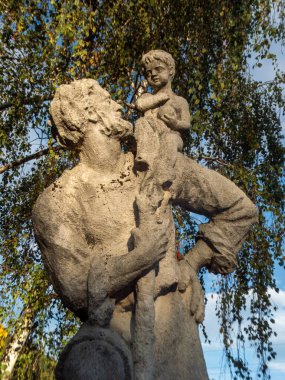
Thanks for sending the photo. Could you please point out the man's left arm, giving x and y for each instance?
(230, 212)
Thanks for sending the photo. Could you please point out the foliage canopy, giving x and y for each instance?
(236, 129)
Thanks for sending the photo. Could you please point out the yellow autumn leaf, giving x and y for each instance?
(3, 336)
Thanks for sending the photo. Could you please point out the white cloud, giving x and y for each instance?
(278, 298)
(277, 366)
(214, 351)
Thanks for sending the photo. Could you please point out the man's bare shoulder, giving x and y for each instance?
(55, 195)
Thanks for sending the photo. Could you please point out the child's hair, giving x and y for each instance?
(160, 55)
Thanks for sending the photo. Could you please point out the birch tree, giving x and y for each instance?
(236, 130)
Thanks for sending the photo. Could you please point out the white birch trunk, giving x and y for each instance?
(16, 344)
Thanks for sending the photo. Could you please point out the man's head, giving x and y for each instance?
(159, 68)
(82, 104)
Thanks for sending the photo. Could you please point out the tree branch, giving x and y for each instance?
(4, 106)
(7, 105)
(23, 160)
(214, 159)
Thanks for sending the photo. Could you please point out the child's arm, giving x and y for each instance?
(150, 101)
(184, 120)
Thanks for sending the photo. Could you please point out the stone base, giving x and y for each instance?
(95, 353)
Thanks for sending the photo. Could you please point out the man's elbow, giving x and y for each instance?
(183, 125)
(251, 210)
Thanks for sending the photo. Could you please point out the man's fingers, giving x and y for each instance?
(184, 277)
(188, 277)
(195, 297)
(197, 306)
(200, 313)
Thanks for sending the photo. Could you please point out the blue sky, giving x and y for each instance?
(213, 352)
(215, 359)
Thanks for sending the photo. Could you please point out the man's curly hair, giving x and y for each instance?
(77, 104)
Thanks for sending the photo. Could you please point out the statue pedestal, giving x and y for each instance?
(95, 353)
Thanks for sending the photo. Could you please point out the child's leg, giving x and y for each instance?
(147, 143)
(171, 143)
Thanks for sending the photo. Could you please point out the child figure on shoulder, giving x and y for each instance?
(165, 114)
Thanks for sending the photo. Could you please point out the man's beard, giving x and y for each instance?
(122, 129)
(116, 127)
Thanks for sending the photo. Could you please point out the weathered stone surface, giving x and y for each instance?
(165, 115)
(107, 237)
(95, 353)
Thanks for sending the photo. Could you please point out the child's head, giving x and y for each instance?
(159, 55)
(162, 56)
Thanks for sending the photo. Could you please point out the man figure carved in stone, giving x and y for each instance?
(97, 230)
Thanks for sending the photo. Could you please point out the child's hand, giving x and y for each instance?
(169, 116)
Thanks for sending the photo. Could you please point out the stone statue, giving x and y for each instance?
(165, 114)
(111, 259)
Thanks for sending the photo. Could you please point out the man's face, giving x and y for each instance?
(114, 108)
(111, 113)
(157, 74)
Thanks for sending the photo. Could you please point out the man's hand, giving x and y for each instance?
(151, 241)
(188, 277)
